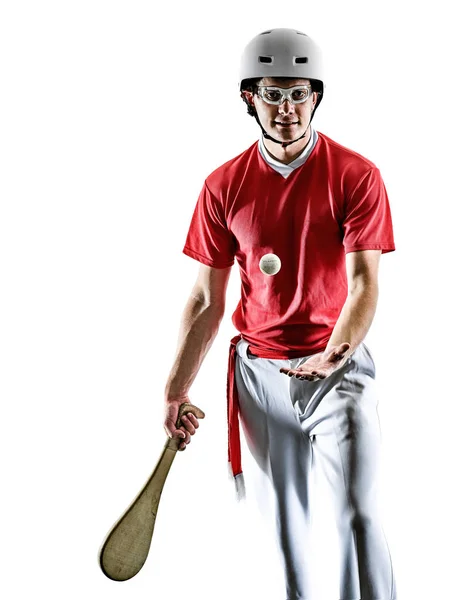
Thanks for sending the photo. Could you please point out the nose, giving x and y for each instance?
(286, 107)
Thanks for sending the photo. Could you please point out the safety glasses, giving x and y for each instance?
(276, 95)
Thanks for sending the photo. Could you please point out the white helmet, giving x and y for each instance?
(282, 53)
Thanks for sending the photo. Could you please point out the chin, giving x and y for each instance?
(286, 135)
(291, 135)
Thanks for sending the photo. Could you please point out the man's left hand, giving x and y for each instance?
(320, 366)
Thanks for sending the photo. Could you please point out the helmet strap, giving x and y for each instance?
(284, 144)
(252, 111)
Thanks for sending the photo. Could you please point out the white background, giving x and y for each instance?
(112, 115)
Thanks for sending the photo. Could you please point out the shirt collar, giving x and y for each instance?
(286, 170)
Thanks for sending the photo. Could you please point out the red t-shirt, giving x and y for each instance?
(333, 204)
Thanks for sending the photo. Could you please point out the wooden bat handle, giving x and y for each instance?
(126, 546)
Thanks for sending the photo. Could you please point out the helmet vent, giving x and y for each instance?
(300, 60)
(265, 59)
(265, 32)
(300, 33)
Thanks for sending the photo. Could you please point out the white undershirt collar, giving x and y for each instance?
(286, 170)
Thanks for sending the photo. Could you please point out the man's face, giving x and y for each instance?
(286, 121)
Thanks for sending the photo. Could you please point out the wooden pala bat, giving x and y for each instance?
(126, 546)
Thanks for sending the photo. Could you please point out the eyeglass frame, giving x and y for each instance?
(286, 93)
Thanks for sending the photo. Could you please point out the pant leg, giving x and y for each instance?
(283, 456)
(343, 422)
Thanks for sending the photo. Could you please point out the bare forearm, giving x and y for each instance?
(199, 326)
(356, 317)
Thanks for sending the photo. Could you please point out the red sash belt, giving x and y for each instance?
(234, 449)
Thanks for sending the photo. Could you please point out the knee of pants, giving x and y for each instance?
(363, 521)
(359, 518)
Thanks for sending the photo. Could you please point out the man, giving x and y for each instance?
(307, 221)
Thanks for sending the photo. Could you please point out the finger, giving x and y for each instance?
(194, 420)
(171, 431)
(313, 376)
(305, 375)
(188, 425)
(187, 435)
(169, 427)
(286, 372)
(319, 375)
(316, 375)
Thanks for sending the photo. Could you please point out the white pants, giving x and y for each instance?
(288, 423)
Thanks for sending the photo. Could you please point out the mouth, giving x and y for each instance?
(289, 124)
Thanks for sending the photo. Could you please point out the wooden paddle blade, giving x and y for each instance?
(126, 547)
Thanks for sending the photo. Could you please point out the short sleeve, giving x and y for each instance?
(367, 224)
(208, 239)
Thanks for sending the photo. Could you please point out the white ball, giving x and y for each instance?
(270, 264)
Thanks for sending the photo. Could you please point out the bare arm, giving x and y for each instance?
(359, 309)
(200, 322)
(354, 321)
